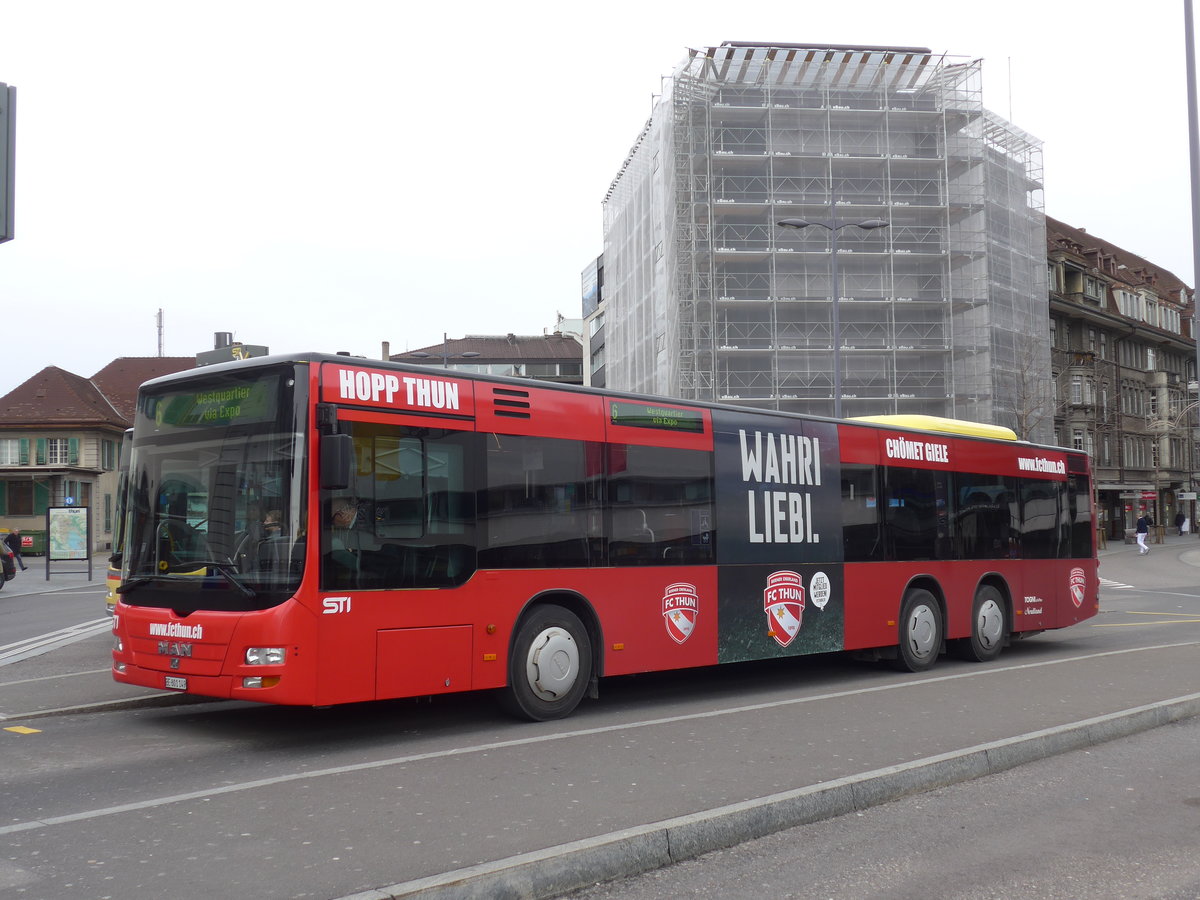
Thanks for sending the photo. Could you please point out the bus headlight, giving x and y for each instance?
(265, 656)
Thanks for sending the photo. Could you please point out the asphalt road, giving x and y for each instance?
(122, 798)
(1118, 820)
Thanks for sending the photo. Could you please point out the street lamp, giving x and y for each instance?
(833, 227)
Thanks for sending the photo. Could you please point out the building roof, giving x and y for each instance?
(55, 396)
(1115, 262)
(120, 379)
(487, 348)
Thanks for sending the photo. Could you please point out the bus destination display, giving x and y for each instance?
(645, 415)
(223, 404)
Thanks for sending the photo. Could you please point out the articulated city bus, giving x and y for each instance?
(325, 529)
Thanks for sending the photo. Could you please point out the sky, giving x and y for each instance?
(330, 176)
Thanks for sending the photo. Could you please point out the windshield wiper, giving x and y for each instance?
(224, 568)
(190, 566)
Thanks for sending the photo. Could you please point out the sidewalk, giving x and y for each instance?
(63, 574)
(1172, 542)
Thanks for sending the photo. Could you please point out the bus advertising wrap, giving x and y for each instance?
(778, 493)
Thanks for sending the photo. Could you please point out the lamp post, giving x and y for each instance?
(833, 227)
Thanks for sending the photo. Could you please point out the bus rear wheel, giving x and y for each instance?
(550, 665)
(989, 627)
(920, 631)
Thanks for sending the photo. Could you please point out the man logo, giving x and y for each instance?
(783, 601)
(681, 606)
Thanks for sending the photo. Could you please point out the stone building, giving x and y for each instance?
(1124, 373)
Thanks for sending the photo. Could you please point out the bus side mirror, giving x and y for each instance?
(337, 459)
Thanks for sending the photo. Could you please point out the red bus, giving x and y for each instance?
(320, 529)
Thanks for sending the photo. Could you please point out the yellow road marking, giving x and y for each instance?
(21, 729)
(1139, 612)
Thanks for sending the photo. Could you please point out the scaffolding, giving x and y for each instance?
(943, 312)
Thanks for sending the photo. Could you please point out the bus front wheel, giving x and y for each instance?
(920, 631)
(550, 665)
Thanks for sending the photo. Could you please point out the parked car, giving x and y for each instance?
(8, 562)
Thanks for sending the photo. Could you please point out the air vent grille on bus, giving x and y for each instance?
(508, 402)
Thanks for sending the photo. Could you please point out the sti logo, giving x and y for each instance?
(783, 601)
(681, 606)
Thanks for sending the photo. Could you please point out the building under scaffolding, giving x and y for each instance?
(943, 312)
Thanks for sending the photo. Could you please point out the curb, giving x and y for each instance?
(555, 871)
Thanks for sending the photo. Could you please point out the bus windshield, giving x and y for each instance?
(216, 494)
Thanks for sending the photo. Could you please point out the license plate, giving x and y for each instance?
(175, 683)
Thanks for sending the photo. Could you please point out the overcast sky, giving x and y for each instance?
(329, 176)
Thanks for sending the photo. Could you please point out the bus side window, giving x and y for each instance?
(1079, 495)
(660, 501)
(915, 518)
(983, 517)
(415, 522)
(1040, 512)
(861, 538)
(537, 509)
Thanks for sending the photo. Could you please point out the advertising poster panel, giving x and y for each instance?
(779, 546)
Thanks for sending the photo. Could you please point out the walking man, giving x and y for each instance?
(1143, 529)
(13, 541)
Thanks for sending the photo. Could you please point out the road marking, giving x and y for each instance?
(207, 793)
(59, 677)
(42, 643)
(1115, 585)
(1191, 619)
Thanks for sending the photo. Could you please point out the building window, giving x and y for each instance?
(58, 451)
(10, 452)
(108, 455)
(1076, 390)
(1077, 439)
(20, 498)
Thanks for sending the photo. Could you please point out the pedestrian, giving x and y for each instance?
(1143, 529)
(1180, 518)
(12, 540)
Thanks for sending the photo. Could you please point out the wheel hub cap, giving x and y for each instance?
(553, 664)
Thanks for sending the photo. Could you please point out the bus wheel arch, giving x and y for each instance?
(991, 622)
(921, 625)
(551, 660)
